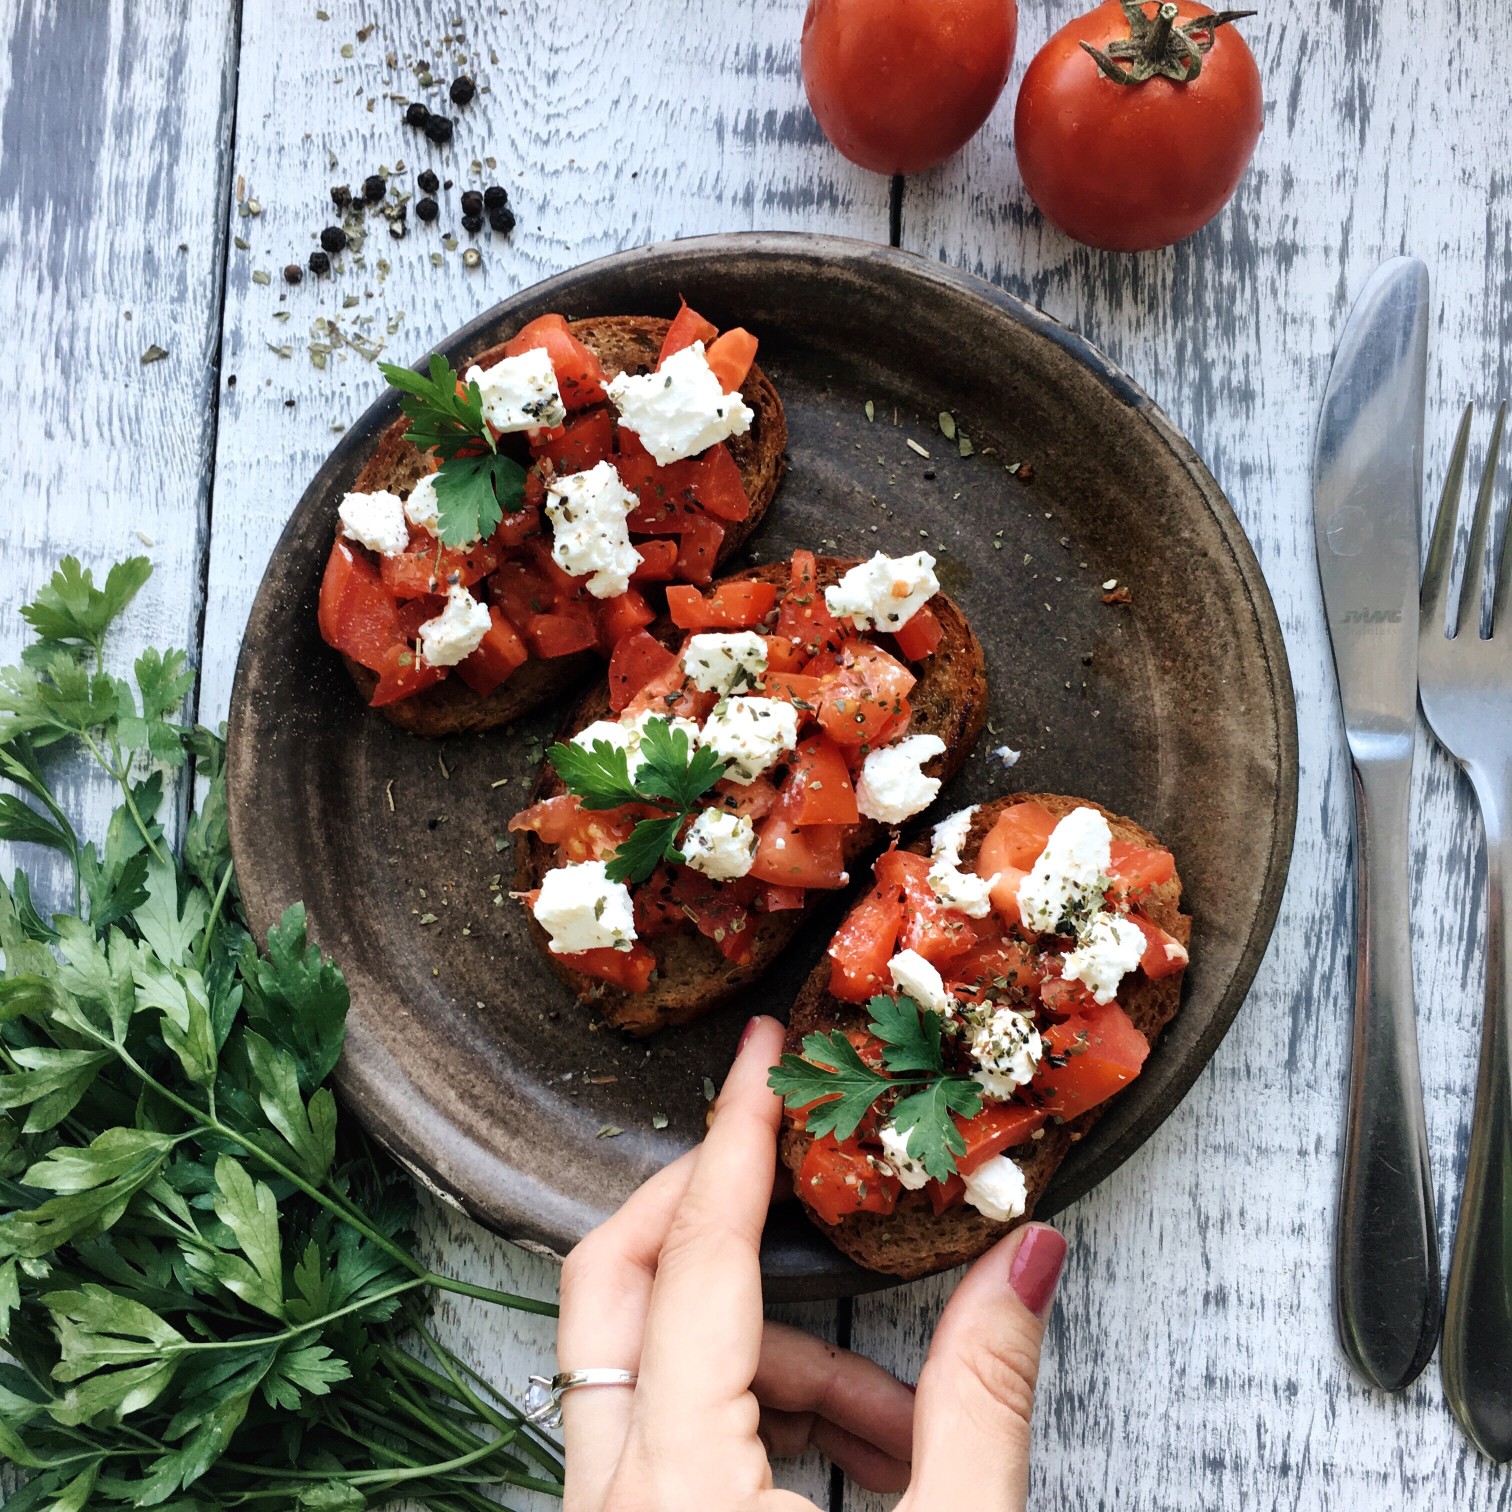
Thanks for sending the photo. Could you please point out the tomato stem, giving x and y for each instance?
(1157, 45)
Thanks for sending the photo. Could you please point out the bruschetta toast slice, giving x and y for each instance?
(545, 628)
(1035, 1028)
(879, 700)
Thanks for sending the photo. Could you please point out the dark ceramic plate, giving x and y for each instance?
(464, 1054)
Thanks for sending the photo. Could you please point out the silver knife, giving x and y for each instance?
(1367, 482)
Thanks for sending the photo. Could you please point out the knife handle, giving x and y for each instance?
(1386, 1280)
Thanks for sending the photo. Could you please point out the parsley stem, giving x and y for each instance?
(122, 777)
(203, 954)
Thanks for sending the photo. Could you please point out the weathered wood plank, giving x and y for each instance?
(1192, 1360)
(688, 119)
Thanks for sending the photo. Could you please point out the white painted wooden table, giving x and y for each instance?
(1191, 1360)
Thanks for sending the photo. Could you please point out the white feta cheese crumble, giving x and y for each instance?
(996, 1189)
(893, 786)
(921, 980)
(581, 909)
(751, 734)
(589, 535)
(1007, 755)
(725, 663)
(520, 393)
(965, 891)
(1068, 880)
(722, 846)
(375, 520)
(456, 632)
(910, 1172)
(884, 593)
(1007, 1048)
(679, 410)
(421, 507)
(1110, 948)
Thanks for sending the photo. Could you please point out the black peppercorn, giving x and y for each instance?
(416, 115)
(293, 273)
(462, 90)
(472, 202)
(428, 181)
(502, 219)
(320, 264)
(496, 196)
(439, 129)
(374, 188)
(333, 239)
(427, 209)
(341, 196)
(472, 222)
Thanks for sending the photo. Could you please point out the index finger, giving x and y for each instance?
(703, 1330)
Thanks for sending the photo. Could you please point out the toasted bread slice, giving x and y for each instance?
(949, 700)
(623, 344)
(911, 1241)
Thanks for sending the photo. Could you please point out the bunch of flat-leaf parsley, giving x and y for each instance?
(208, 1291)
(476, 484)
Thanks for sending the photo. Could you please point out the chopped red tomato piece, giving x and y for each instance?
(992, 965)
(357, 615)
(1064, 996)
(581, 443)
(798, 688)
(1088, 1058)
(998, 1127)
(783, 655)
(836, 1181)
(728, 606)
(804, 620)
(1164, 953)
(522, 592)
(731, 356)
(403, 674)
(944, 1195)
(416, 611)
(579, 834)
(921, 635)
(434, 568)
(715, 480)
(863, 946)
(658, 561)
(779, 899)
(500, 654)
(518, 525)
(932, 930)
(638, 659)
(719, 911)
(578, 373)
(563, 632)
(698, 549)
(687, 327)
(1137, 868)
(789, 857)
(752, 800)
(627, 969)
(564, 587)
(825, 792)
(1005, 894)
(1016, 840)
(620, 616)
(865, 694)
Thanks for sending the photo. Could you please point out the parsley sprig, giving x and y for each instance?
(669, 776)
(205, 1274)
(843, 1089)
(476, 484)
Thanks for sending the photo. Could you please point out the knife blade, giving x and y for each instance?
(1367, 484)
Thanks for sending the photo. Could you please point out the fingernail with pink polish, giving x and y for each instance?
(746, 1033)
(1037, 1267)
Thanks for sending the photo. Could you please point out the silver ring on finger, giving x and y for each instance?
(543, 1401)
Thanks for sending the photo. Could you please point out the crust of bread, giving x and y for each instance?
(623, 344)
(911, 1241)
(949, 700)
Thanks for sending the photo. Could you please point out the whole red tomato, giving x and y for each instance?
(899, 85)
(1133, 165)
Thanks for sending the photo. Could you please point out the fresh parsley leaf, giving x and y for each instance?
(667, 770)
(249, 1209)
(299, 999)
(599, 776)
(831, 1073)
(473, 493)
(70, 608)
(924, 1117)
(650, 843)
(163, 680)
(910, 1035)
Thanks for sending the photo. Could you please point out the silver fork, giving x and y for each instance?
(1465, 683)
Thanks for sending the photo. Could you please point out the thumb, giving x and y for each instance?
(976, 1392)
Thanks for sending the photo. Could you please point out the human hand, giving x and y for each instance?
(670, 1288)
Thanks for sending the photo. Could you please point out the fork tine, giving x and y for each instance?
(1435, 597)
(1475, 563)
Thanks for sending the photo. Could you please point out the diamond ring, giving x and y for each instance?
(543, 1401)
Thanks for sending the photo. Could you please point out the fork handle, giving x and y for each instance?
(1477, 1363)
(1386, 1280)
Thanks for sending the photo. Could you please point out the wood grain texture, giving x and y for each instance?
(690, 118)
(1191, 1360)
